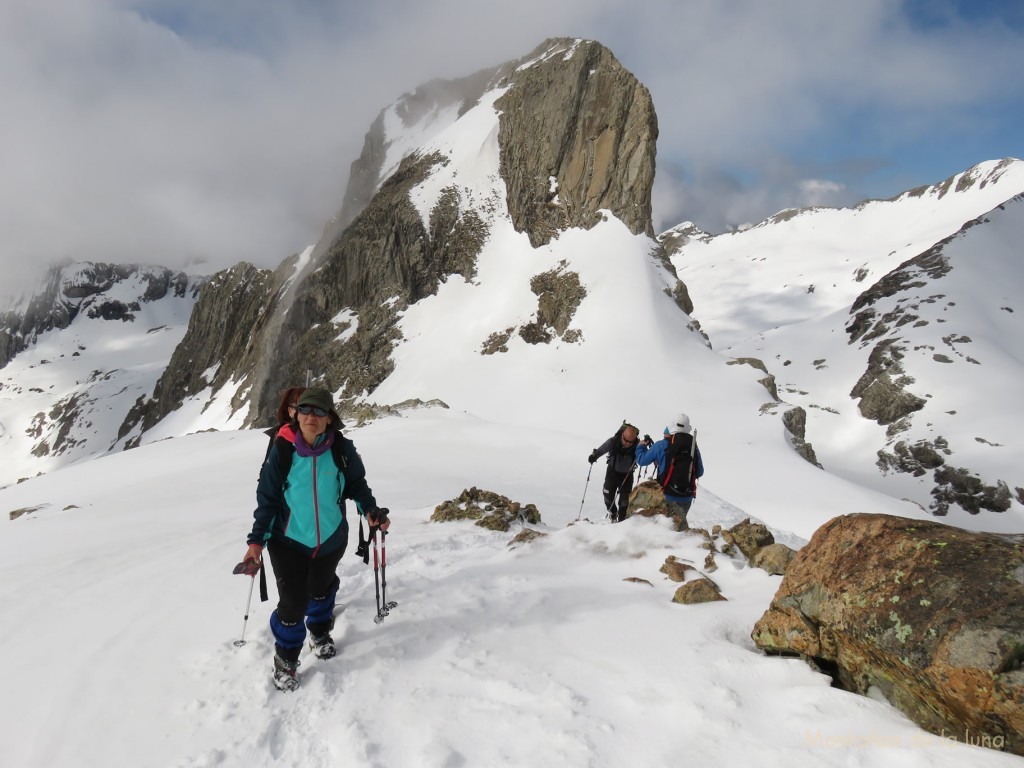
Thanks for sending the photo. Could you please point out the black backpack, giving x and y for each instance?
(678, 479)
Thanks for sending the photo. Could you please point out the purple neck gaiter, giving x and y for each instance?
(321, 445)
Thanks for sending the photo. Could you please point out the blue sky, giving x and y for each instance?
(177, 131)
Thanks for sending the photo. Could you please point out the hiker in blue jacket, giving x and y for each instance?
(301, 519)
(679, 465)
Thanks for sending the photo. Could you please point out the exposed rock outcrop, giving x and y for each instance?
(882, 388)
(578, 134)
(795, 421)
(952, 485)
(525, 536)
(700, 589)
(768, 382)
(559, 293)
(773, 558)
(930, 615)
(489, 509)
(676, 569)
(748, 537)
(647, 499)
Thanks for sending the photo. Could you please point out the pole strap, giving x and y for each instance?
(363, 549)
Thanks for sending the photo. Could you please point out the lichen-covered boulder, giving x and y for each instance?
(773, 558)
(748, 537)
(648, 499)
(489, 509)
(929, 614)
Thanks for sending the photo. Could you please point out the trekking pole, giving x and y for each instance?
(387, 605)
(585, 491)
(693, 462)
(241, 641)
(376, 575)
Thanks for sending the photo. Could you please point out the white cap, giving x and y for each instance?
(680, 423)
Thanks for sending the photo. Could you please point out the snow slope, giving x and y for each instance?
(784, 293)
(121, 612)
(803, 264)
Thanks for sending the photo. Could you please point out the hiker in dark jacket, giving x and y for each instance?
(301, 519)
(285, 413)
(677, 478)
(618, 478)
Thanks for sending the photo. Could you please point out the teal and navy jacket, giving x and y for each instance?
(300, 499)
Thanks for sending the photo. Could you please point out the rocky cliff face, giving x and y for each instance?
(576, 135)
(217, 350)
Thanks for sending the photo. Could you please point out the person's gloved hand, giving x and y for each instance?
(592, 457)
(647, 441)
(250, 564)
(378, 517)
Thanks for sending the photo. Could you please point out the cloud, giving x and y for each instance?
(173, 131)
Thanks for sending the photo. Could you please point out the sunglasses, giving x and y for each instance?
(305, 410)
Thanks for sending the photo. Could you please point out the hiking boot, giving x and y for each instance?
(322, 646)
(285, 674)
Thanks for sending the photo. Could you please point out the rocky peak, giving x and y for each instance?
(976, 177)
(578, 135)
(575, 134)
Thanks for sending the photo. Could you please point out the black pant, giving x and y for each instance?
(621, 482)
(301, 579)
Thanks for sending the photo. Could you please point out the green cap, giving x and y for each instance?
(319, 398)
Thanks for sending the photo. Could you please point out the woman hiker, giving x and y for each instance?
(301, 520)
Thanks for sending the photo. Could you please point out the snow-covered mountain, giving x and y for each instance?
(79, 354)
(466, 277)
(895, 325)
